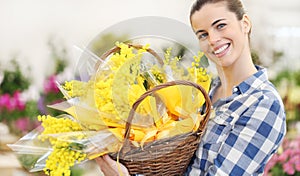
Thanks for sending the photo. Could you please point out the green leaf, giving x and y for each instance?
(204, 61)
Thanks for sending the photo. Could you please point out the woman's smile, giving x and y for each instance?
(221, 50)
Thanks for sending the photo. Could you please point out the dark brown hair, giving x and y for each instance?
(234, 6)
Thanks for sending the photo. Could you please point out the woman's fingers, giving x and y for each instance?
(101, 162)
(110, 161)
(110, 167)
(105, 167)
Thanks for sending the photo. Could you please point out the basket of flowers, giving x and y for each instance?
(146, 112)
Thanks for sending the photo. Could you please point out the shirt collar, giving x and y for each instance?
(247, 86)
(253, 82)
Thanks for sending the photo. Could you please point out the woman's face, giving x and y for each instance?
(222, 37)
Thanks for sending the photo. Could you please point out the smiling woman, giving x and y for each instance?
(249, 121)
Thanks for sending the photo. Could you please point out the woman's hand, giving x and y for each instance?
(110, 167)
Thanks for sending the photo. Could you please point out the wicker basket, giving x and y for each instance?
(169, 156)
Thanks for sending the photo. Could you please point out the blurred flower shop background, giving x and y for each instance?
(37, 50)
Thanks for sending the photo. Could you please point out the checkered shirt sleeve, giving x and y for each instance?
(247, 128)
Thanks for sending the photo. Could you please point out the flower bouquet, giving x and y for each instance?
(146, 111)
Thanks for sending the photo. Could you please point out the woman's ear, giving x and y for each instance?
(247, 25)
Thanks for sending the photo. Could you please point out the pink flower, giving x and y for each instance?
(50, 85)
(22, 123)
(284, 156)
(10, 105)
(294, 144)
(16, 102)
(4, 100)
(296, 160)
(297, 165)
(288, 168)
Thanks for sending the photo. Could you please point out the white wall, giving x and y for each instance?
(26, 26)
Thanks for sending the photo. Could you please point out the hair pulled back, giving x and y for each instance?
(234, 6)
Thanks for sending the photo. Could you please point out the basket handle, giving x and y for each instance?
(136, 46)
(161, 86)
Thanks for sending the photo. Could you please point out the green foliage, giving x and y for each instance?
(14, 80)
(28, 161)
(292, 77)
(283, 75)
(277, 170)
(75, 171)
(31, 110)
(255, 58)
(277, 55)
(297, 77)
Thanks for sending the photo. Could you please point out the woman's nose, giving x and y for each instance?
(213, 37)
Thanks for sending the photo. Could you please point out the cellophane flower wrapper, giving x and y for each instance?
(30, 150)
(97, 107)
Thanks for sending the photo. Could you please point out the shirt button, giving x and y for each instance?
(235, 89)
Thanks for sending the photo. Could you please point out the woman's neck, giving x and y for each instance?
(235, 74)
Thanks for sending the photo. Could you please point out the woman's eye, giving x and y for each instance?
(202, 36)
(220, 26)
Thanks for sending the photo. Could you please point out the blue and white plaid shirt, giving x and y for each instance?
(244, 131)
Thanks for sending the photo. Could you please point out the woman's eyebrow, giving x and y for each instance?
(215, 22)
(199, 31)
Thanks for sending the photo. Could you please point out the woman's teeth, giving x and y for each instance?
(218, 51)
